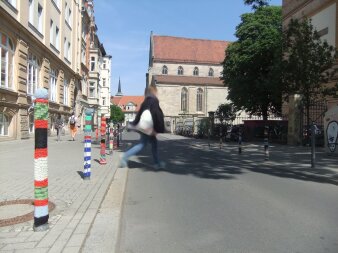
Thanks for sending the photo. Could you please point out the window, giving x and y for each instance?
(31, 11)
(3, 124)
(211, 72)
(57, 39)
(69, 17)
(40, 17)
(165, 70)
(180, 71)
(65, 93)
(83, 54)
(104, 64)
(31, 122)
(32, 74)
(68, 14)
(52, 85)
(51, 32)
(69, 55)
(57, 3)
(103, 82)
(199, 100)
(103, 101)
(92, 90)
(184, 100)
(6, 62)
(92, 63)
(67, 50)
(196, 71)
(12, 2)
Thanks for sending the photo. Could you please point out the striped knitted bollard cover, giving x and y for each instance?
(103, 141)
(40, 161)
(87, 144)
(111, 138)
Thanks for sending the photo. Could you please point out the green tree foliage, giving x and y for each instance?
(307, 63)
(251, 65)
(225, 113)
(257, 3)
(116, 114)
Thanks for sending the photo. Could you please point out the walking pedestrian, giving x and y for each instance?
(72, 126)
(149, 122)
(59, 126)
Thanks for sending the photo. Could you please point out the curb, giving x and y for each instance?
(104, 233)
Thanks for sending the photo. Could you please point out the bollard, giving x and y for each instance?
(87, 144)
(107, 134)
(40, 161)
(118, 135)
(266, 143)
(313, 145)
(103, 141)
(97, 135)
(240, 143)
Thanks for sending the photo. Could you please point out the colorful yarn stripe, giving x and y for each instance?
(87, 145)
(40, 161)
(103, 141)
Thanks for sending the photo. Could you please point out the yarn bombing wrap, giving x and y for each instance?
(103, 141)
(87, 144)
(40, 159)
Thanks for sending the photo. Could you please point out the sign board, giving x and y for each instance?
(331, 131)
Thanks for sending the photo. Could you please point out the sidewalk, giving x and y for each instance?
(76, 201)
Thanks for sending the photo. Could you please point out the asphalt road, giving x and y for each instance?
(217, 201)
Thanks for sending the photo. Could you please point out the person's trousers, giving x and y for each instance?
(58, 133)
(138, 147)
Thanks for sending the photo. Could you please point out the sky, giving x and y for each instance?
(124, 28)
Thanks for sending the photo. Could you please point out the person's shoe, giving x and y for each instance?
(123, 163)
(159, 166)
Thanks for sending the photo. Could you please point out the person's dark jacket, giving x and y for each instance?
(152, 104)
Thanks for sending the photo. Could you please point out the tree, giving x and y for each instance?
(225, 113)
(307, 64)
(116, 114)
(251, 65)
(257, 3)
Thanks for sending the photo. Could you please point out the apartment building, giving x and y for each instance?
(105, 86)
(43, 44)
(323, 15)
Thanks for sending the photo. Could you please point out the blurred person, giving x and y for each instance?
(58, 126)
(72, 126)
(149, 121)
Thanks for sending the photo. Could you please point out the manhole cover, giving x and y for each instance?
(18, 211)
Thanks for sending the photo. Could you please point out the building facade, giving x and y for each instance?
(130, 105)
(105, 86)
(323, 15)
(43, 45)
(187, 74)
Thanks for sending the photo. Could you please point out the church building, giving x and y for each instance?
(187, 74)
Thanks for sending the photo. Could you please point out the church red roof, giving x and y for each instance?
(184, 50)
(124, 100)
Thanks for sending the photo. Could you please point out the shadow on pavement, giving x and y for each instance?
(184, 157)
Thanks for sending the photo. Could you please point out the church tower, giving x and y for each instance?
(119, 92)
